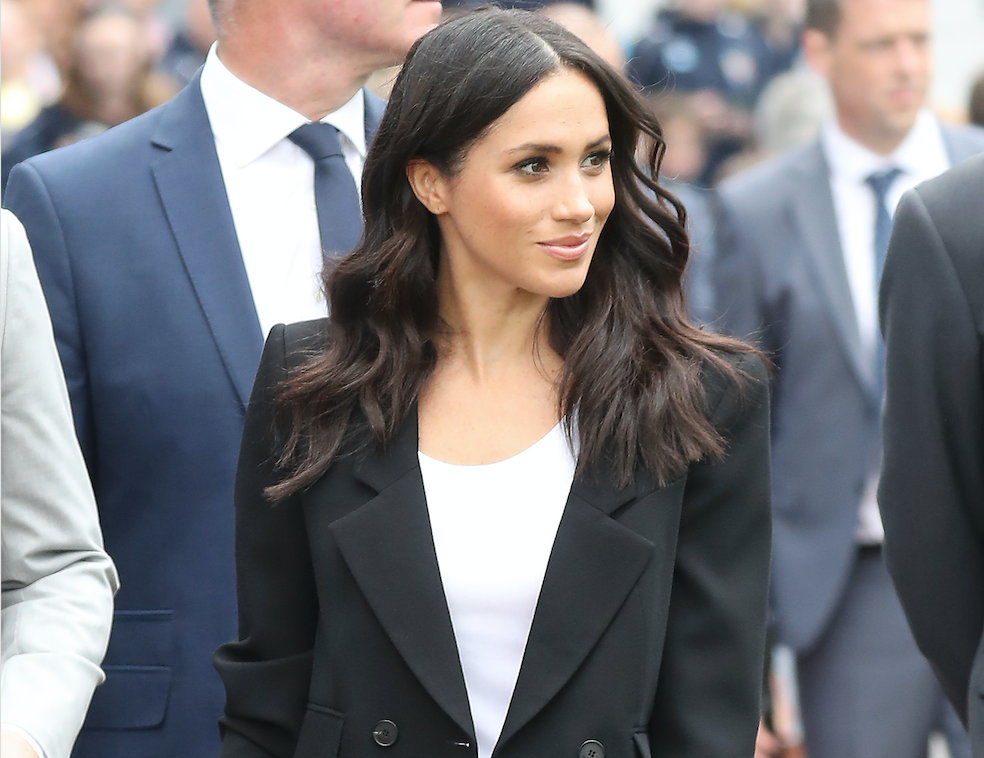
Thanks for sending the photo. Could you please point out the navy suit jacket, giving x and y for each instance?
(780, 279)
(159, 338)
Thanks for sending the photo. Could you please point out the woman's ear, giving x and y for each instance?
(428, 184)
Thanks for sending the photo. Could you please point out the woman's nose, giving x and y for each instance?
(573, 203)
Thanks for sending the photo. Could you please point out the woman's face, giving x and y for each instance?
(111, 54)
(525, 208)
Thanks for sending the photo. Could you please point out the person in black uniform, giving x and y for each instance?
(719, 60)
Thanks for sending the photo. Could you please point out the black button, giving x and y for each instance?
(385, 733)
(591, 749)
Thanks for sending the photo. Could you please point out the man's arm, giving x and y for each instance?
(29, 198)
(932, 479)
(58, 582)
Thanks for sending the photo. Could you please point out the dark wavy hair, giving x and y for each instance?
(631, 361)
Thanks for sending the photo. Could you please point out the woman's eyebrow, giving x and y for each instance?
(535, 147)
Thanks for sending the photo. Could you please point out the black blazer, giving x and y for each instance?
(648, 636)
(931, 491)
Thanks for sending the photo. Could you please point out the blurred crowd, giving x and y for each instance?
(73, 68)
(724, 76)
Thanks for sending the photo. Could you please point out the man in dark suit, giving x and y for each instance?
(167, 247)
(932, 484)
(801, 240)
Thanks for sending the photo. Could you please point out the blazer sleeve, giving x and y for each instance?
(58, 582)
(932, 481)
(709, 688)
(267, 672)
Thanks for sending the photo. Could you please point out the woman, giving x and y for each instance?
(519, 503)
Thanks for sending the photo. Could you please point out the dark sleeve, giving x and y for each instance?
(710, 682)
(267, 672)
(28, 197)
(932, 480)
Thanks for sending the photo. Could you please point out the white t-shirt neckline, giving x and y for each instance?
(494, 526)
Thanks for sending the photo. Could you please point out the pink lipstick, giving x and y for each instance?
(569, 248)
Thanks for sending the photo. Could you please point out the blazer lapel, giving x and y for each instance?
(594, 564)
(388, 546)
(192, 191)
(813, 209)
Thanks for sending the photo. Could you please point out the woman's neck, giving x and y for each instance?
(494, 332)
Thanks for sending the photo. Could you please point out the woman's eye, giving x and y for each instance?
(532, 166)
(598, 160)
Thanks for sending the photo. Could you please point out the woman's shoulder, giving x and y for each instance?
(287, 347)
(736, 384)
(305, 335)
(298, 341)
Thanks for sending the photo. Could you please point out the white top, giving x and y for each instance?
(270, 184)
(920, 156)
(494, 526)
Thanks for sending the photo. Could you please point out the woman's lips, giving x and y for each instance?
(569, 248)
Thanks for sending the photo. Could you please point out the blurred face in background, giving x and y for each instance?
(19, 40)
(56, 21)
(878, 66)
(111, 56)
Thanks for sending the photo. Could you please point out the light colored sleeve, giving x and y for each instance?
(31, 742)
(57, 581)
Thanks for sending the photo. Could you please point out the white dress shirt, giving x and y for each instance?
(920, 156)
(270, 185)
(494, 527)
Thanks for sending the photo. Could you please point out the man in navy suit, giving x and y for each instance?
(167, 247)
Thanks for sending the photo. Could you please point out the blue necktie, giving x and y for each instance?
(335, 194)
(880, 182)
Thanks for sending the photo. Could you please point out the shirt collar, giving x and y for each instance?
(248, 122)
(920, 154)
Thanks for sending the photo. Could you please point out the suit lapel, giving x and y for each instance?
(813, 209)
(192, 192)
(594, 563)
(388, 546)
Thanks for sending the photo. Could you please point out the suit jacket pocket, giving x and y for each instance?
(321, 731)
(138, 672)
(641, 740)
